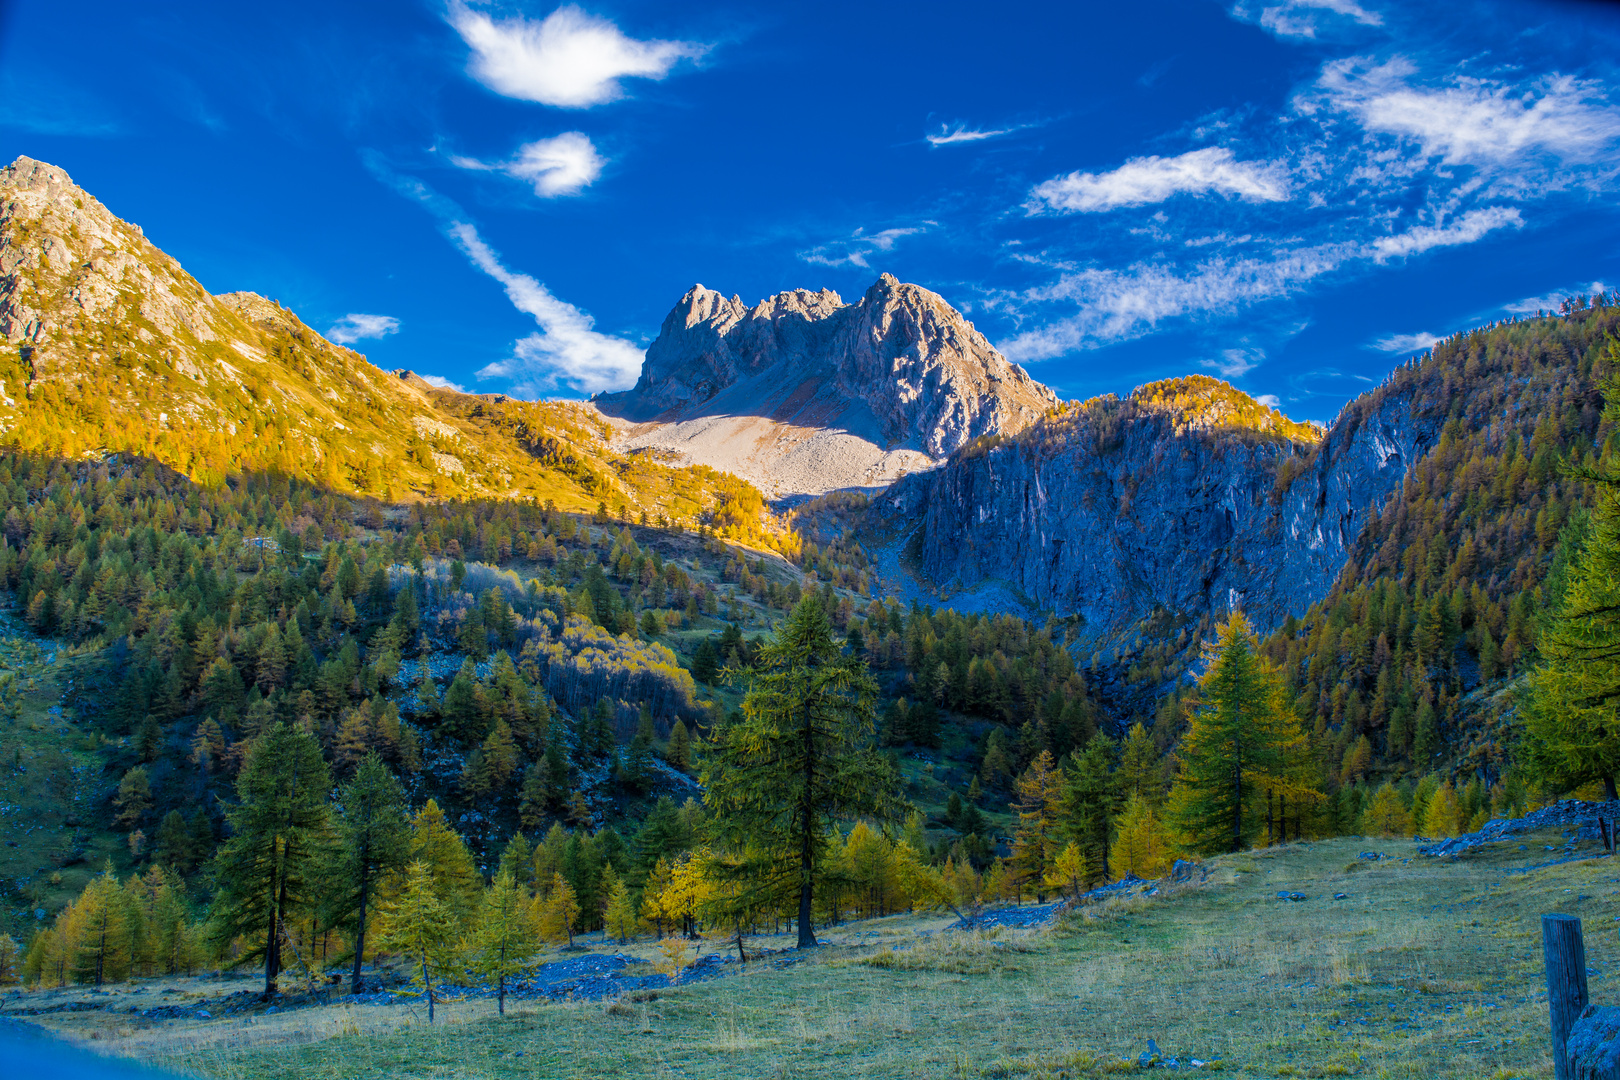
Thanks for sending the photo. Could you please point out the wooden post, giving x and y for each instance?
(1565, 953)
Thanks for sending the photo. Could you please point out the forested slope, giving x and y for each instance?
(1398, 667)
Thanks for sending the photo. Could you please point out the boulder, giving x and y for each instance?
(1182, 870)
(1594, 1044)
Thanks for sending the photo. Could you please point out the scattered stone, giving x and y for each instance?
(1183, 870)
(1372, 856)
(1293, 896)
(1341, 896)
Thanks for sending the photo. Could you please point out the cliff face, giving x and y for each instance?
(805, 393)
(1185, 498)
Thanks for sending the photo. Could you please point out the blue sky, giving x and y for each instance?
(1292, 194)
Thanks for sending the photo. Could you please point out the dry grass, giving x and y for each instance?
(1424, 970)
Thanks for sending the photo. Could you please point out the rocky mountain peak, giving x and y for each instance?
(854, 393)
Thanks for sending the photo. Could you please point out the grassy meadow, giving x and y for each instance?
(1424, 969)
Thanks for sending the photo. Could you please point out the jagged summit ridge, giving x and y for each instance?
(888, 384)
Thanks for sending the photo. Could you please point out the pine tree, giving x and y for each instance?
(1385, 815)
(449, 864)
(1035, 843)
(104, 942)
(1232, 746)
(1139, 846)
(418, 924)
(621, 918)
(679, 753)
(504, 939)
(1443, 815)
(1140, 767)
(1572, 706)
(280, 837)
(802, 755)
(517, 859)
(1068, 873)
(134, 797)
(376, 842)
(559, 911)
(1090, 803)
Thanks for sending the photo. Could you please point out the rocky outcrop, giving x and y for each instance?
(804, 393)
(1183, 499)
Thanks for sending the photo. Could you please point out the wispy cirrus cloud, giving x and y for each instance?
(952, 135)
(1114, 305)
(859, 246)
(570, 59)
(562, 165)
(1213, 170)
(1233, 363)
(1550, 301)
(356, 327)
(1474, 121)
(1303, 20)
(443, 383)
(568, 353)
(1405, 343)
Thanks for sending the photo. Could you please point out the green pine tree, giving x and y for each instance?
(376, 841)
(803, 754)
(281, 835)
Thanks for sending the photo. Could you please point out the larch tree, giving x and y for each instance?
(803, 755)
(504, 938)
(1035, 844)
(559, 911)
(376, 842)
(419, 925)
(1232, 745)
(281, 834)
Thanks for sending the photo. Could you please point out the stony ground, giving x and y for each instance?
(1304, 960)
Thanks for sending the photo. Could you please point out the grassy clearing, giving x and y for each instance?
(1423, 970)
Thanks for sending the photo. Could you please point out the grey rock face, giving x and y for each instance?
(929, 379)
(1118, 510)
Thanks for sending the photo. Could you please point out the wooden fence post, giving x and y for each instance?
(1565, 954)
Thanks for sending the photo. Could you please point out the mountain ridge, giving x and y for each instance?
(804, 393)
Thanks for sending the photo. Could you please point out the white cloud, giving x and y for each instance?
(961, 133)
(1118, 304)
(1303, 19)
(1210, 171)
(562, 165)
(569, 59)
(1465, 230)
(1405, 343)
(1551, 301)
(1270, 401)
(1233, 363)
(860, 244)
(355, 327)
(443, 383)
(567, 350)
(1474, 121)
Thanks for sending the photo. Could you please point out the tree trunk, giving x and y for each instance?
(807, 856)
(1268, 818)
(500, 994)
(355, 985)
(427, 981)
(1608, 789)
(1237, 804)
(272, 940)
